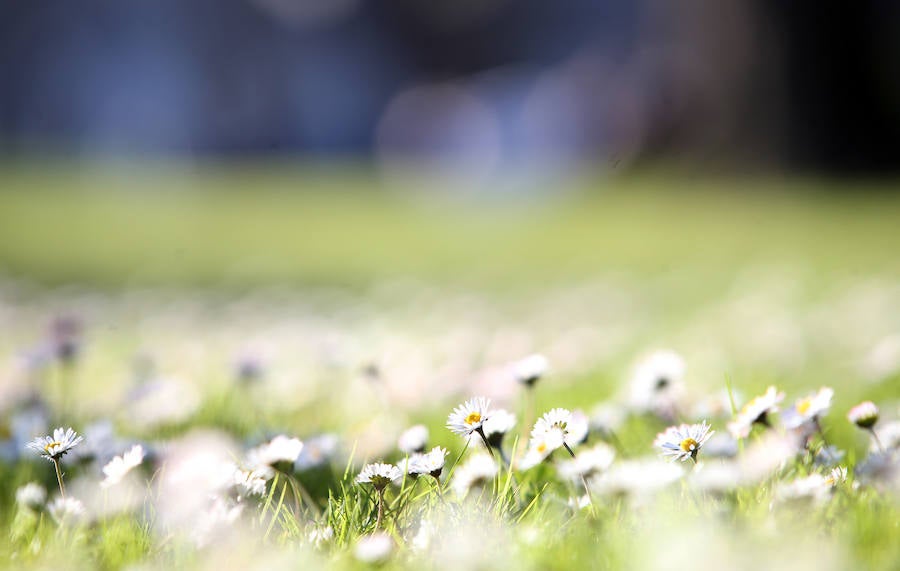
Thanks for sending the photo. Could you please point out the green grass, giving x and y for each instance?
(246, 225)
(691, 252)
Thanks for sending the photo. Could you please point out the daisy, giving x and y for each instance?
(756, 411)
(589, 462)
(864, 415)
(317, 451)
(252, 482)
(683, 441)
(815, 487)
(319, 536)
(657, 384)
(379, 475)
(495, 429)
(530, 369)
(540, 447)
(888, 436)
(431, 463)
(280, 450)
(808, 409)
(498, 424)
(54, 447)
(67, 511)
(637, 477)
(469, 417)
(606, 418)
(560, 427)
(413, 439)
(838, 475)
(478, 470)
(119, 466)
(31, 495)
(374, 549)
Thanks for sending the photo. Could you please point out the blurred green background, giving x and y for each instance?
(254, 222)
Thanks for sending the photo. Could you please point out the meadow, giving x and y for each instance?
(238, 344)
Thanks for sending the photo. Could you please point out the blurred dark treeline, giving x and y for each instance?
(799, 84)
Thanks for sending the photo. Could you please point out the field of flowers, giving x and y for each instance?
(636, 380)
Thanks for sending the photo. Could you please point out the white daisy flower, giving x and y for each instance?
(431, 463)
(838, 475)
(498, 424)
(607, 417)
(56, 446)
(888, 435)
(814, 487)
(216, 517)
(539, 447)
(66, 511)
(767, 455)
(657, 384)
(683, 441)
(119, 466)
(571, 426)
(374, 549)
(756, 411)
(864, 415)
(470, 416)
(281, 449)
(379, 475)
(478, 470)
(317, 536)
(317, 451)
(808, 409)
(636, 477)
(252, 482)
(530, 369)
(414, 439)
(588, 462)
(31, 495)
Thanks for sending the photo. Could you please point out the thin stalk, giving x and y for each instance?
(480, 432)
(378, 521)
(59, 478)
(877, 440)
(587, 489)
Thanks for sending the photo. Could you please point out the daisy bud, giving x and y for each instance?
(864, 415)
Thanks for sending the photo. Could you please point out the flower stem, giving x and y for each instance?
(378, 521)
(877, 440)
(480, 432)
(59, 478)
(587, 489)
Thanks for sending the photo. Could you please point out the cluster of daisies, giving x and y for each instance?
(580, 452)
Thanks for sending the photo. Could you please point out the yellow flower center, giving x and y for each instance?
(688, 445)
(542, 447)
(51, 445)
(803, 406)
(473, 418)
